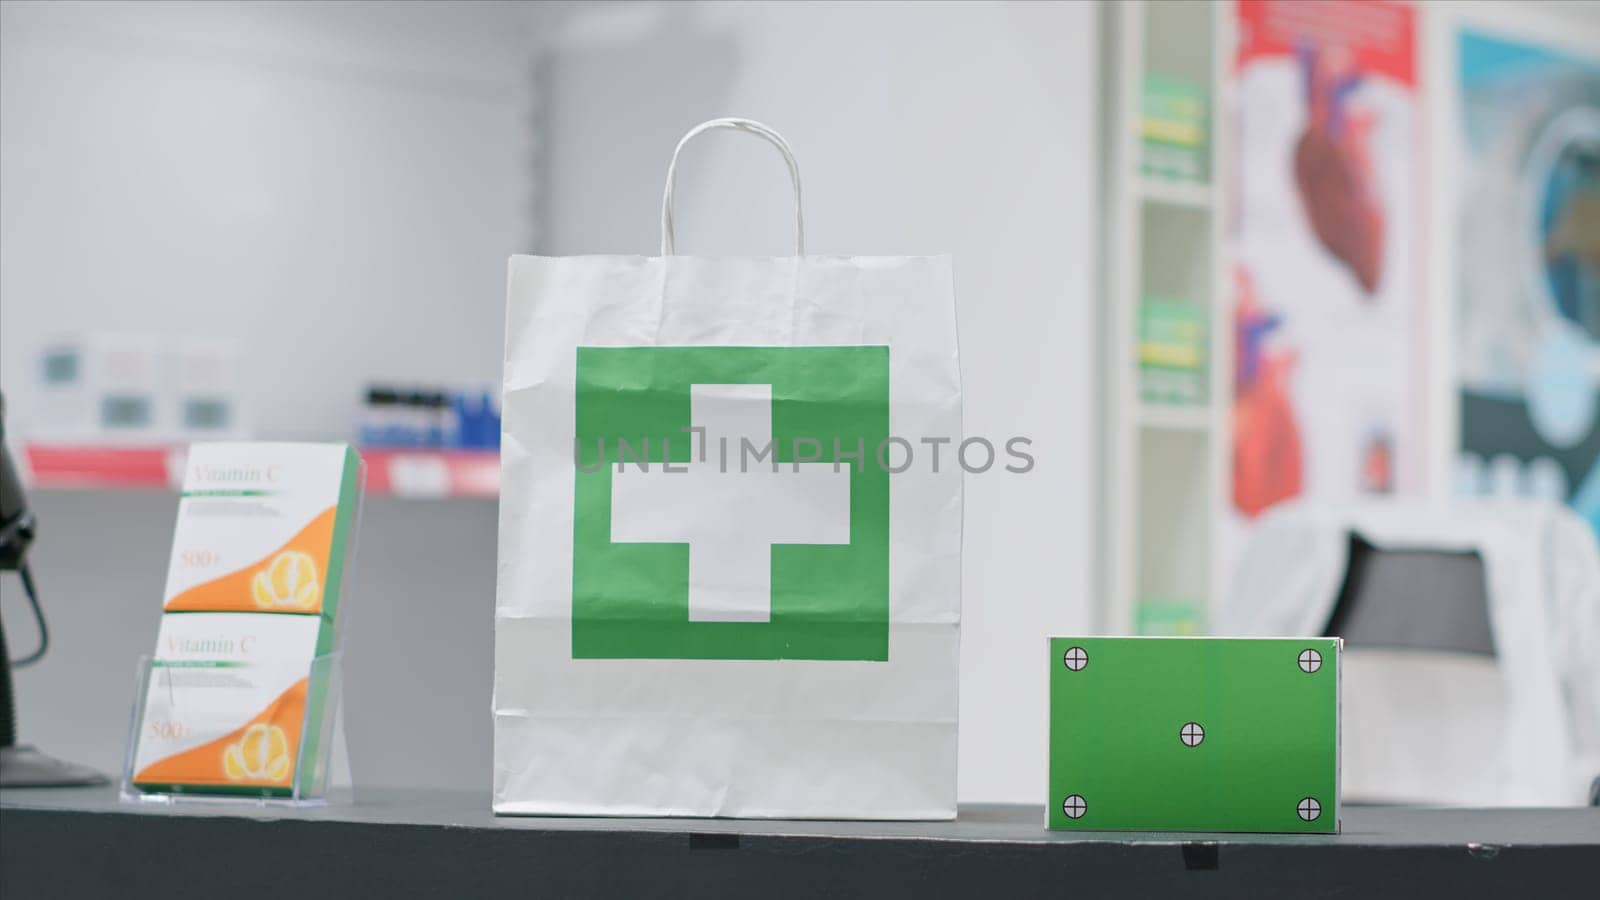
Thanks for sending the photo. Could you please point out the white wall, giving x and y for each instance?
(336, 185)
(159, 160)
(957, 128)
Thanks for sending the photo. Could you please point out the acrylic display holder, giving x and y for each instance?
(322, 762)
(322, 773)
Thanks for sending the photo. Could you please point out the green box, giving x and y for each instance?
(1194, 734)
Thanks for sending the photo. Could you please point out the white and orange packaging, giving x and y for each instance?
(251, 602)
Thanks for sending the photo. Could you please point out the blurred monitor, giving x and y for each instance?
(1413, 599)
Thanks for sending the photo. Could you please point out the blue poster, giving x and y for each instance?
(1528, 291)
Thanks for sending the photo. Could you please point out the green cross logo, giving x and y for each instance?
(730, 503)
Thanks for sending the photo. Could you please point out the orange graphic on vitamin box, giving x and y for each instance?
(287, 580)
(261, 754)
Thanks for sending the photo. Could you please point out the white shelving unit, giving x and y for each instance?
(418, 473)
(1183, 195)
(1166, 466)
(1167, 417)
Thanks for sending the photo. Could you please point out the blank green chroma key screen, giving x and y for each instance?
(1194, 734)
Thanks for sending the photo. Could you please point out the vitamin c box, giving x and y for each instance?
(252, 599)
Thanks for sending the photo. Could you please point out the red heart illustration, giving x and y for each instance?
(1333, 169)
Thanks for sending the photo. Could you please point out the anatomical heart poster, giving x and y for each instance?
(1326, 255)
(1528, 272)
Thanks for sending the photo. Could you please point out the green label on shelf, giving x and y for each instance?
(1194, 734)
(1169, 618)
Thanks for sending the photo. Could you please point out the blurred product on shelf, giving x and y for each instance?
(206, 385)
(99, 387)
(466, 419)
(1172, 351)
(1173, 128)
(477, 418)
(1169, 617)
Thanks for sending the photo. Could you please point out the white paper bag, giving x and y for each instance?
(718, 631)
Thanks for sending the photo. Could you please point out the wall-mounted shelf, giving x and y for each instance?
(426, 474)
(1158, 417)
(1170, 192)
(415, 473)
(88, 466)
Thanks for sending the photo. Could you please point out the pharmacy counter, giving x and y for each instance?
(82, 842)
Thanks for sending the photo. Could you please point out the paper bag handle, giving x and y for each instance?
(748, 126)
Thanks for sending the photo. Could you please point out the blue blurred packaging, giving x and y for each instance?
(430, 418)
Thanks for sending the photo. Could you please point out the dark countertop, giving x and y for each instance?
(85, 842)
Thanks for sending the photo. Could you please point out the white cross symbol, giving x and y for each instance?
(1074, 807)
(1192, 734)
(731, 518)
(1310, 660)
(1075, 658)
(1309, 809)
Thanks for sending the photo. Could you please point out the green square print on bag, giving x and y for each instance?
(731, 503)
